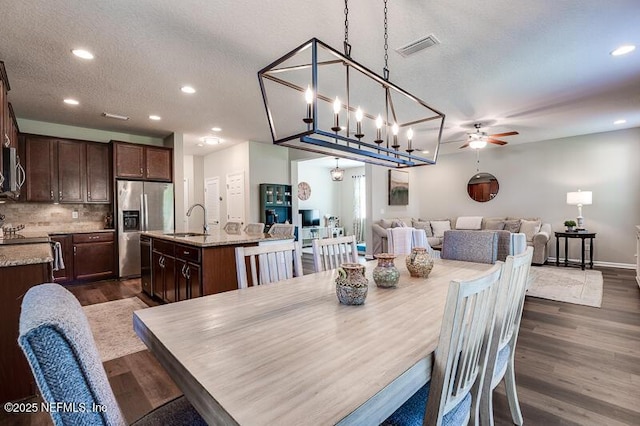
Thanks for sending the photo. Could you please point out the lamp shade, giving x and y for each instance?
(579, 198)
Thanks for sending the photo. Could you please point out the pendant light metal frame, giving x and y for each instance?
(337, 174)
(344, 144)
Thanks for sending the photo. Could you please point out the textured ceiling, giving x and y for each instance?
(539, 67)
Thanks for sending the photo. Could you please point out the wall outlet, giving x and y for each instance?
(74, 214)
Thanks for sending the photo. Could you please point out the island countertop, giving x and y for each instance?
(215, 238)
(25, 254)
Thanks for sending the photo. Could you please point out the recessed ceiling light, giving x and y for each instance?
(70, 101)
(155, 117)
(623, 50)
(81, 53)
(212, 140)
(621, 121)
(188, 89)
(200, 144)
(216, 129)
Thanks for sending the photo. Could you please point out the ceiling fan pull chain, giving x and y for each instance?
(386, 44)
(347, 46)
(477, 160)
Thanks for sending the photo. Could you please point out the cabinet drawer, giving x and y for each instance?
(163, 247)
(92, 237)
(189, 253)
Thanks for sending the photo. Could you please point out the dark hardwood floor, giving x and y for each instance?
(575, 365)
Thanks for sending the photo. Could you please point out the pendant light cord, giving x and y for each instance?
(386, 44)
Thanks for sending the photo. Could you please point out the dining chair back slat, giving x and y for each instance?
(268, 263)
(330, 253)
(509, 305)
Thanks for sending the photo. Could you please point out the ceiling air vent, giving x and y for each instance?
(116, 116)
(418, 45)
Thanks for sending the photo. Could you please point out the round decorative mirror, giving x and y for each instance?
(483, 187)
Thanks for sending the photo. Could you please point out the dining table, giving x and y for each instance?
(290, 353)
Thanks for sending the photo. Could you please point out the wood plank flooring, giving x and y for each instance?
(575, 365)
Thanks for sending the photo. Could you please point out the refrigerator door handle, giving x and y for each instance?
(142, 218)
(146, 213)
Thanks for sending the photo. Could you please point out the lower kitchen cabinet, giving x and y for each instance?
(15, 374)
(87, 257)
(188, 278)
(163, 270)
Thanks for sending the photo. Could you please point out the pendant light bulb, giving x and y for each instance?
(379, 122)
(308, 95)
(410, 134)
(337, 105)
(394, 129)
(359, 115)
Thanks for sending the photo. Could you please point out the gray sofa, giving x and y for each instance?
(538, 233)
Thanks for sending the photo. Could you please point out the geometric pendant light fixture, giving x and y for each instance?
(321, 100)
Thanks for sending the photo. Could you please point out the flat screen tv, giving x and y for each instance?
(310, 217)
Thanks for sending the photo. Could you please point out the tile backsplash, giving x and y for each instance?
(55, 217)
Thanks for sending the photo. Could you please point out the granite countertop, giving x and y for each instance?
(25, 254)
(83, 231)
(214, 239)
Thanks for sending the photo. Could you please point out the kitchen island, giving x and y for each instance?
(180, 266)
(22, 266)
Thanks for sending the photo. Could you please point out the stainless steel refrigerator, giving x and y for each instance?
(142, 206)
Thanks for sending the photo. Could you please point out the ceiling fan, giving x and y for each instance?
(479, 139)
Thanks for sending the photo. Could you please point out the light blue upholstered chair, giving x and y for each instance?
(470, 246)
(451, 397)
(58, 344)
(502, 350)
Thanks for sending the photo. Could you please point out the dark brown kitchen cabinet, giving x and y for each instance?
(188, 279)
(15, 374)
(133, 161)
(163, 270)
(98, 173)
(94, 256)
(65, 275)
(67, 171)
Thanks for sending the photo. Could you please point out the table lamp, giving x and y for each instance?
(580, 198)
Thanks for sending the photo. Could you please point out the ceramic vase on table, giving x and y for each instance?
(386, 274)
(351, 284)
(419, 262)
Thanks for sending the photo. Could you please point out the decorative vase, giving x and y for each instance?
(419, 262)
(571, 228)
(351, 284)
(386, 274)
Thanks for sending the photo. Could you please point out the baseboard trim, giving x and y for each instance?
(552, 260)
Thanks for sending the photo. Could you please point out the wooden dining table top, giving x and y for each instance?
(290, 354)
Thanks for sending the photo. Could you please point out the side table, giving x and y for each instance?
(583, 235)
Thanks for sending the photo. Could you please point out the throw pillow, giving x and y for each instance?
(530, 228)
(469, 222)
(512, 226)
(398, 224)
(423, 225)
(385, 223)
(439, 226)
(494, 225)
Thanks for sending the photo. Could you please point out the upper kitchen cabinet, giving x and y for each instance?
(133, 161)
(67, 171)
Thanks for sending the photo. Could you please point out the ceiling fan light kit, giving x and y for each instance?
(478, 140)
(314, 94)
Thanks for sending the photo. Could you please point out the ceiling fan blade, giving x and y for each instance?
(499, 135)
(497, 141)
(464, 146)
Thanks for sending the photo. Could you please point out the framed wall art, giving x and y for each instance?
(398, 188)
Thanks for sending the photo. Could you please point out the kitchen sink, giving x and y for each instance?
(186, 234)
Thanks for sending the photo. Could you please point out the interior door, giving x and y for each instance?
(212, 201)
(235, 197)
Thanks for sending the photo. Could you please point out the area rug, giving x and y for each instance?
(112, 327)
(566, 285)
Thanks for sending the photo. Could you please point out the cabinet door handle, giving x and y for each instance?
(89, 195)
(141, 171)
(188, 270)
(184, 273)
(52, 194)
(75, 249)
(60, 194)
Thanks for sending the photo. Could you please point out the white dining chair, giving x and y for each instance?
(500, 365)
(451, 396)
(254, 228)
(330, 253)
(268, 263)
(282, 229)
(232, 227)
(518, 243)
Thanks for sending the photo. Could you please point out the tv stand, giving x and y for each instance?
(310, 233)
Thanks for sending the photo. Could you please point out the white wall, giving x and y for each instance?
(222, 163)
(534, 179)
(194, 182)
(325, 193)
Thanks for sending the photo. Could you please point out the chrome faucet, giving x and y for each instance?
(205, 227)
